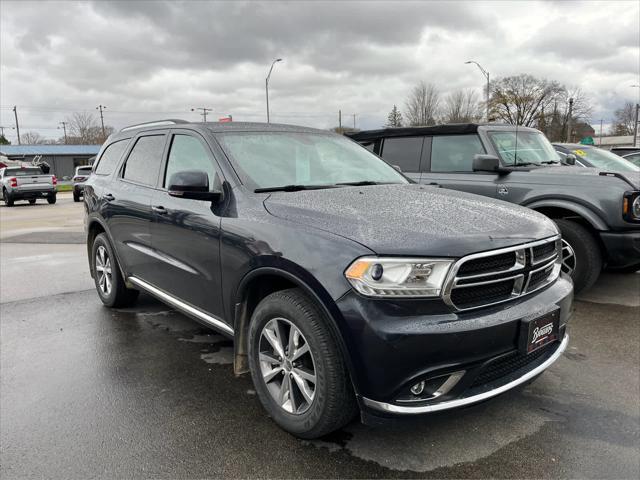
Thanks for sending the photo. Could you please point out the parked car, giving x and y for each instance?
(633, 158)
(81, 175)
(623, 151)
(344, 286)
(597, 211)
(590, 156)
(27, 183)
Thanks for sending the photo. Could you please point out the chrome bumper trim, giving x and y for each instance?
(409, 410)
(180, 305)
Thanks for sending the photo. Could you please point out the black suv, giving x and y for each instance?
(345, 287)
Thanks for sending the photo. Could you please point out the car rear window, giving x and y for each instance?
(143, 164)
(111, 157)
(84, 171)
(23, 172)
(403, 152)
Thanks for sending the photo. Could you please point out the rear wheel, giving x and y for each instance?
(107, 277)
(51, 199)
(581, 256)
(297, 368)
(8, 200)
(76, 197)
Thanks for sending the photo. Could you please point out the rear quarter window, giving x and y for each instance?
(111, 157)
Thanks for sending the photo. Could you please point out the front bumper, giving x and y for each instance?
(394, 344)
(623, 248)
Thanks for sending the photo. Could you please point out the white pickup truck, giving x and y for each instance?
(27, 183)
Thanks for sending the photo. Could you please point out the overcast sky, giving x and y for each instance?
(148, 60)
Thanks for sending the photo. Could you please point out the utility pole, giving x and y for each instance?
(635, 127)
(15, 113)
(204, 112)
(354, 121)
(570, 120)
(600, 142)
(266, 85)
(340, 120)
(64, 128)
(101, 108)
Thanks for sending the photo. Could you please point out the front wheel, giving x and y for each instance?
(581, 256)
(296, 366)
(76, 197)
(107, 277)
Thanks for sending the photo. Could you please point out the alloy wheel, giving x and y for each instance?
(568, 258)
(287, 366)
(103, 270)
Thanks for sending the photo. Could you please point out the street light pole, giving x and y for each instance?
(266, 85)
(486, 74)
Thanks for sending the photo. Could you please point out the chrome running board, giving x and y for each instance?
(182, 306)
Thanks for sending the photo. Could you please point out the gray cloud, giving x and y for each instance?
(150, 59)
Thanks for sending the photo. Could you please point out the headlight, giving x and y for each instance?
(398, 277)
(631, 207)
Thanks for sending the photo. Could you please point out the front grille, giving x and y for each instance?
(471, 297)
(488, 264)
(510, 363)
(500, 275)
(541, 252)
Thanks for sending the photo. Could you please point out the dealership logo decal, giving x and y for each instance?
(503, 190)
(540, 332)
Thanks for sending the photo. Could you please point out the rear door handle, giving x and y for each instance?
(109, 197)
(159, 209)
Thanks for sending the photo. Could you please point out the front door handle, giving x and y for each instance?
(109, 197)
(159, 209)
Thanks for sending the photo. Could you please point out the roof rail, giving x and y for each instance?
(156, 123)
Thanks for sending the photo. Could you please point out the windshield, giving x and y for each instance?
(529, 148)
(274, 159)
(604, 160)
(23, 172)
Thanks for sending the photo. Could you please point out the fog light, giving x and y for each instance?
(418, 388)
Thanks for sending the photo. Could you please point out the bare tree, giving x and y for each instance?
(422, 105)
(84, 129)
(625, 120)
(32, 138)
(394, 119)
(555, 122)
(519, 100)
(462, 107)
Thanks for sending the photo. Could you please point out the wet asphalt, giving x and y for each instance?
(88, 392)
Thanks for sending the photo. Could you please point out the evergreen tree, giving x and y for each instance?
(394, 119)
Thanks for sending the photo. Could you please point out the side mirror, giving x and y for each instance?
(194, 184)
(570, 159)
(488, 163)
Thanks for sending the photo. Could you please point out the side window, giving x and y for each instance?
(188, 153)
(143, 164)
(454, 153)
(110, 157)
(403, 152)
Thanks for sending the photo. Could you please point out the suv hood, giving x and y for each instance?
(412, 219)
(570, 175)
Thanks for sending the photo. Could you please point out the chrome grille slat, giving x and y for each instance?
(530, 259)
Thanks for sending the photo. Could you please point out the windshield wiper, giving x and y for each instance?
(292, 188)
(549, 162)
(362, 183)
(525, 164)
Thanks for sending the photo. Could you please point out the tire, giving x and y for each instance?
(333, 403)
(8, 200)
(116, 294)
(76, 197)
(588, 257)
(51, 199)
(32, 201)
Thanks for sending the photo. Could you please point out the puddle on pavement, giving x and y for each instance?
(444, 440)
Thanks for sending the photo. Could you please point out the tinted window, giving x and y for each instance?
(24, 172)
(144, 160)
(403, 152)
(110, 157)
(188, 153)
(454, 153)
